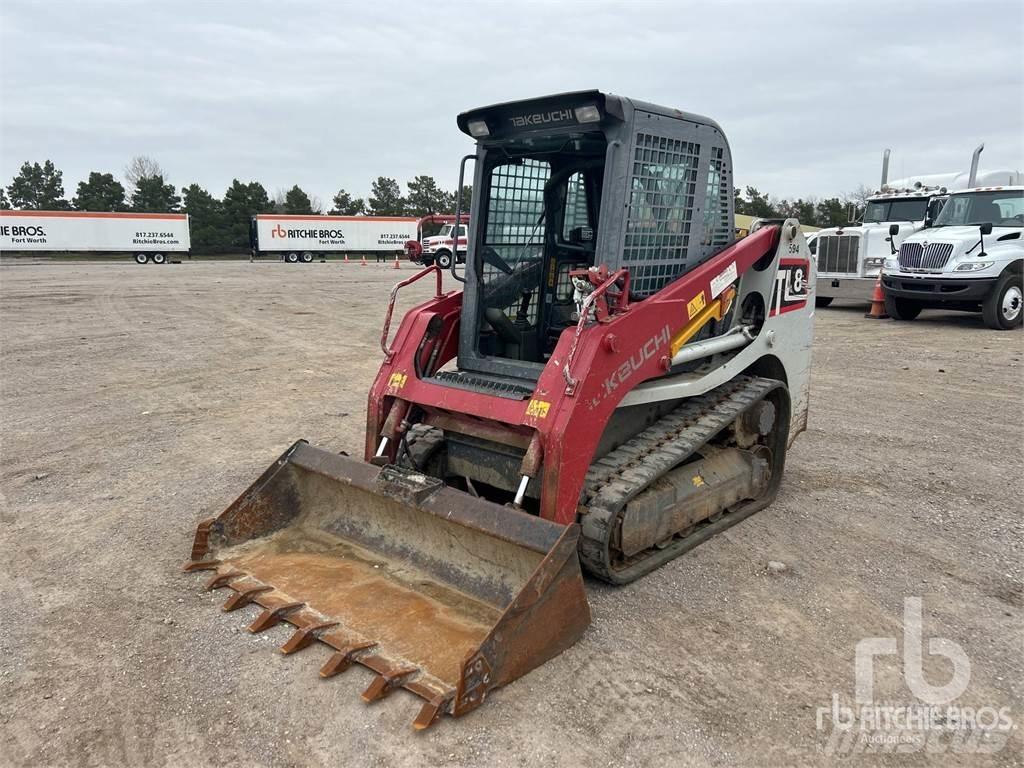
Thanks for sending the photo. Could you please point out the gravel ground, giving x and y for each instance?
(137, 400)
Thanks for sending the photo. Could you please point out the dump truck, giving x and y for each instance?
(145, 237)
(615, 381)
(299, 239)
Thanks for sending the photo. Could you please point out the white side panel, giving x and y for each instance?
(72, 231)
(333, 233)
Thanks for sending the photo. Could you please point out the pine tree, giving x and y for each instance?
(102, 192)
(38, 187)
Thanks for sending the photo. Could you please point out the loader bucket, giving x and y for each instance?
(438, 592)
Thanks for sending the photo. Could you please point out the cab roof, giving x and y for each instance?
(554, 111)
(1003, 188)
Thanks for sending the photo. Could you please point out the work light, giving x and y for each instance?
(478, 129)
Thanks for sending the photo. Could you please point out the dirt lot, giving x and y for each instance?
(137, 400)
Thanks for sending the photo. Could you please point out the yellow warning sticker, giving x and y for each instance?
(397, 380)
(538, 409)
(696, 305)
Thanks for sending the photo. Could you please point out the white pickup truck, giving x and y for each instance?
(971, 258)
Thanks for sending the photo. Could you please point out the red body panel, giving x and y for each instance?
(610, 359)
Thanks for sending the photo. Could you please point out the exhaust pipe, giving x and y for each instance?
(974, 165)
(885, 169)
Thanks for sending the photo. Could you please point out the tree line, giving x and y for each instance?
(217, 224)
(830, 212)
(222, 224)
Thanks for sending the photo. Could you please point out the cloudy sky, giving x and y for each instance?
(330, 95)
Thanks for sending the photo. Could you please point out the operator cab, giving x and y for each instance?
(573, 181)
(541, 205)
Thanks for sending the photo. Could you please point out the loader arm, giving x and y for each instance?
(610, 360)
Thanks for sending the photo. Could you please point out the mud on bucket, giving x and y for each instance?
(438, 592)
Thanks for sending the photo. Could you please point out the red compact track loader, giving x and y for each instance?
(617, 381)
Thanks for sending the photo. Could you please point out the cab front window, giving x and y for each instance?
(878, 211)
(998, 208)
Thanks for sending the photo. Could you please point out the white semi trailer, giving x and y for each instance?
(302, 239)
(850, 257)
(143, 236)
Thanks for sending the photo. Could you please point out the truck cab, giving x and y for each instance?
(439, 248)
(970, 258)
(850, 257)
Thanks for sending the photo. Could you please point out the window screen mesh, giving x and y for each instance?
(516, 232)
(664, 182)
(575, 205)
(717, 232)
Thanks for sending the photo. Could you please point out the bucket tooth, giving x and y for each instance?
(430, 712)
(200, 565)
(459, 595)
(201, 542)
(385, 682)
(304, 636)
(343, 659)
(271, 617)
(245, 596)
(221, 579)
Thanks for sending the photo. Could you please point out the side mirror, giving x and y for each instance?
(986, 228)
(894, 229)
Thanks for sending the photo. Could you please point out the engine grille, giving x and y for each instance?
(932, 256)
(838, 253)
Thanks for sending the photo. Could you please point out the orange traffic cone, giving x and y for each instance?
(363, 262)
(877, 311)
(397, 265)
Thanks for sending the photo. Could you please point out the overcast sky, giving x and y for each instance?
(329, 95)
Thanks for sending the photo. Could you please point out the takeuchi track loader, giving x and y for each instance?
(616, 382)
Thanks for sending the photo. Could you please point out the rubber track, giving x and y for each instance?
(422, 442)
(618, 477)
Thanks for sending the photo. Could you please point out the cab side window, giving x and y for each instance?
(576, 212)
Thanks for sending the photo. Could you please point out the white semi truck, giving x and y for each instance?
(971, 258)
(146, 237)
(302, 239)
(851, 257)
